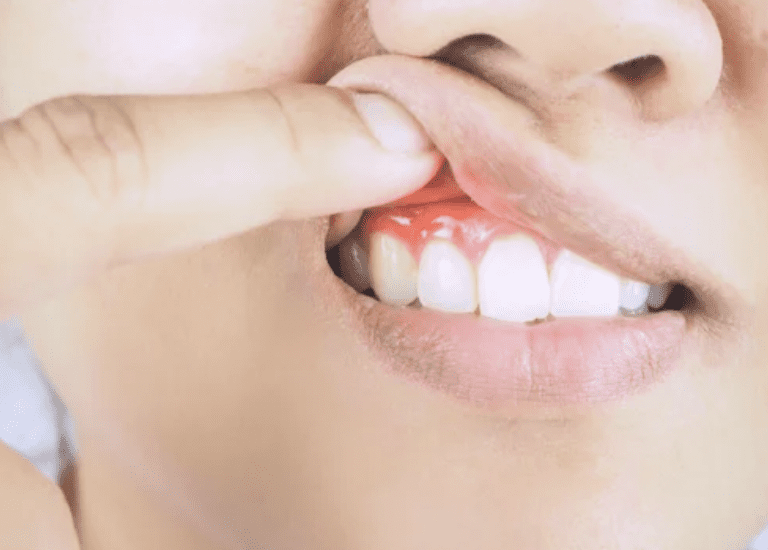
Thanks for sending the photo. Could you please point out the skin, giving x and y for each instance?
(219, 404)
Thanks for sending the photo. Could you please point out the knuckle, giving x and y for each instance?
(288, 145)
(291, 134)
(93, 140)
(315, 126)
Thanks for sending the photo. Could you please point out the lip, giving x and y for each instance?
(500, 155)
(494, 364)
(500, 158)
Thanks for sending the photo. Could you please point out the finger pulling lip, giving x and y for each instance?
(497, 155)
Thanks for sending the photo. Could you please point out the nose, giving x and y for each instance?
(665, 55)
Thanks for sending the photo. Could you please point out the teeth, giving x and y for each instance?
(581, 288)
(353, 261)
(633, 294)
(510, 284)
(512, 281)
(658, 295)
(393, 270)
(447, 279)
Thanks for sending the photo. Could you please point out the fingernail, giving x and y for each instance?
(391, 124)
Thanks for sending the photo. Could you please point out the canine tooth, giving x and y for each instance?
(513, 284)
(393, 270)
(447, 279)
(353, 260)
(633, 294)
(658, 295)
(581, 288)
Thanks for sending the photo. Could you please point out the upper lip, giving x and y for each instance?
(499, 156)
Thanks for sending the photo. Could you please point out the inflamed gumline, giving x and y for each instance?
(559, 283)
(458, 220)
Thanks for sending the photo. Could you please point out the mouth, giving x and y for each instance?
(439, 249)
(453, 297)
(505, 280)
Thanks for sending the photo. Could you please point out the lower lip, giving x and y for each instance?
(495, 364)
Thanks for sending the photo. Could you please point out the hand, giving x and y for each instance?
(34, 514)
(90, 182)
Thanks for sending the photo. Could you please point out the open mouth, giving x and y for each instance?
(447, 281)
(438, 249)
(491, 312)
(513, 277)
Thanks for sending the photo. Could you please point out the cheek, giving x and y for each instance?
(194, 361)
(158, 349)
(149, 47)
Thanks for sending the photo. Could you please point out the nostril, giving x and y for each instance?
(460, 50)
(638, 70)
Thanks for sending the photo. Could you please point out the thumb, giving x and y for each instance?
(93, 181)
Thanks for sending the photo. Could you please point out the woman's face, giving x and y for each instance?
(229, 390)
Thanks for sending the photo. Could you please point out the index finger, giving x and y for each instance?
(90, 182)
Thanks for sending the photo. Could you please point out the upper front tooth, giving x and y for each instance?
(512, 280)
(446, 279)
(581, 288)
(393, 270)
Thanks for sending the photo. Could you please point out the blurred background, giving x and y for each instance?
(35, 422)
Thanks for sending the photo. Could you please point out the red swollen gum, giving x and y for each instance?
(458, 220)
